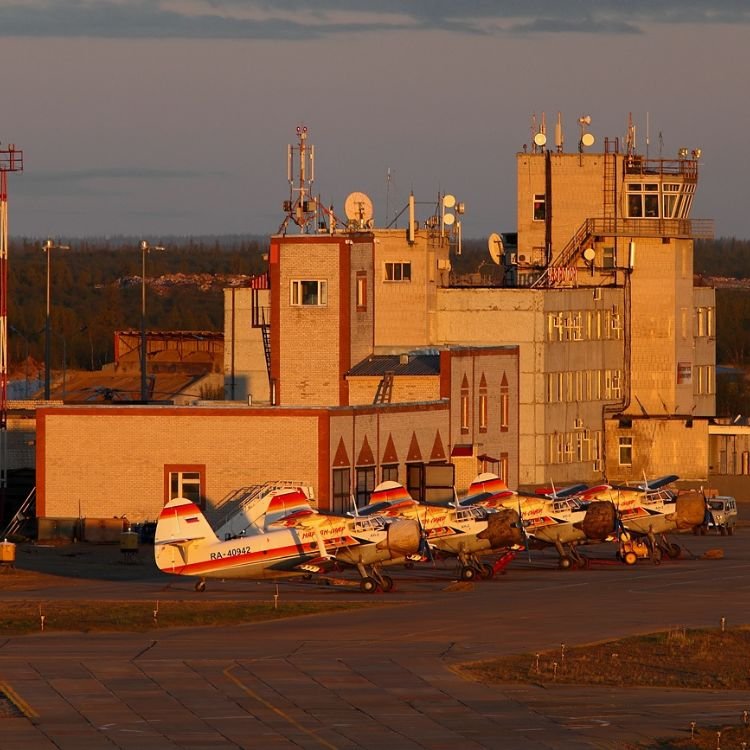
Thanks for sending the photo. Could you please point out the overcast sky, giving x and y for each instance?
(159, 117)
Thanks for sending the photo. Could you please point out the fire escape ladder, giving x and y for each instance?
(265, 329)
(385, 389)
(610, 185)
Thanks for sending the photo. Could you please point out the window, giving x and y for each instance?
(670, 200)
(465, 406)
(342, 502)
(389, 473)
(625, 451)
(415, 480)
(482, 410)
(643, 200)
(365, 485)
(361, 292)
(188, 481)
(305, 292)
(504, 404)
(540, 207)
(398, 271)
(608, 257)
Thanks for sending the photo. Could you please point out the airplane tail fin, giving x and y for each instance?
(182, 521)
(181, 525)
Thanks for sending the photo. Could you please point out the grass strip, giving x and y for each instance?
(23, 617)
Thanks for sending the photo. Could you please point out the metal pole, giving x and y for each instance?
(47, 327)
(144, 250)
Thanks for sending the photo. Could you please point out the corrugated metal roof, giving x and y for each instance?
(414, 364)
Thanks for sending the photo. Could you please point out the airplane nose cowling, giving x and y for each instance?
(600, 520)
(690, 508)
(403, 537)
(503, 529)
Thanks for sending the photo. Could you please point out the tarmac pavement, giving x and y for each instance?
(372, 678)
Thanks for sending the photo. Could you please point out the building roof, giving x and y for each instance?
(377, 365)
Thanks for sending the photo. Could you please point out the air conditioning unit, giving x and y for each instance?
(513, 258)
(521, 258)
(444, 264)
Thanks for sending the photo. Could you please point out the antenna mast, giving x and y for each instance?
(301, 208)
(11, 160)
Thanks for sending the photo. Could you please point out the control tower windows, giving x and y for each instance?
(643, 200)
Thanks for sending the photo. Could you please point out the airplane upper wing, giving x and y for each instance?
(293, 518)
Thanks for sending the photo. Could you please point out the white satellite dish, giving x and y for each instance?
(358, 207)
(495, 246)
(449, 219)
(449, 201)
(540, 139)
(587, 139)
(589, 254)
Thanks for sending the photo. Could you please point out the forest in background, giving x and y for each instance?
(95, 289)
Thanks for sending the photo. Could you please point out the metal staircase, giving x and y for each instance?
(22, 514)
(233, 505)
(567, 255)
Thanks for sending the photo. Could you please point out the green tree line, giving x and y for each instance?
(95, 289)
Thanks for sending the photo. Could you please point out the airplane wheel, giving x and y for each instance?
(488, 571)
(565, 563)
(367, 585)
(200, 586)
(386, 583)
(468, 573)
(673, 551)
(630, 558)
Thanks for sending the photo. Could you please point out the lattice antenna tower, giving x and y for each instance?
(11, 160)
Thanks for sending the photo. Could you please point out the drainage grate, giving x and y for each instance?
(8, 707)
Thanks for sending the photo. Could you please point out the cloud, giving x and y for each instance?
(87, 182)
(300, 19)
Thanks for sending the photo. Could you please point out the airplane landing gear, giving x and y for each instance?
(200, 586)
(373, 579)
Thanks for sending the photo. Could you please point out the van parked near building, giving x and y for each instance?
(721, 514)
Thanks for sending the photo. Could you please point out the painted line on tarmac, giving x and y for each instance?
(17, 701)
(290, 720)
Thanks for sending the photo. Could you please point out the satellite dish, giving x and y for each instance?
(589, 254)
(495, 246)
(358, 207)
(587, 139)
(448, 219)
(449, 201)
(540, 139)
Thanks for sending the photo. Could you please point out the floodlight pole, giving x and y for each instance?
(145, 247)
(48, 246)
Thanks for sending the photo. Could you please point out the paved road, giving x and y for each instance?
(376, 678)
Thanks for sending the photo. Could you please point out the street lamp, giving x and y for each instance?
(26, 361)
(48, 246)
(145, 247)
